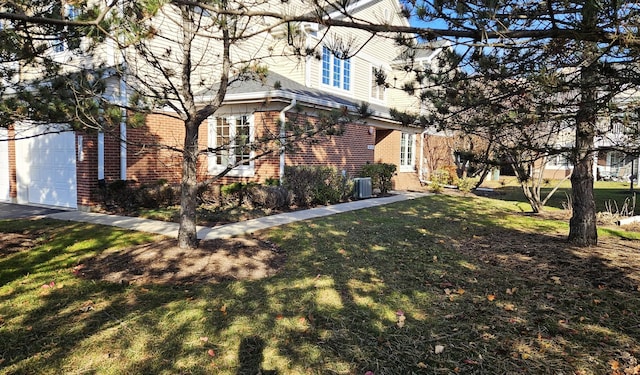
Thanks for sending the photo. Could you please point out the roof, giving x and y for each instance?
(277, 86)
(424, 51)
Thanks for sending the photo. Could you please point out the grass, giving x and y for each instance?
(440, 285)
(605, 192)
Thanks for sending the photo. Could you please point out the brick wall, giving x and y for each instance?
(388, 151)
(87, 168)
(348, 151)
(149, 157)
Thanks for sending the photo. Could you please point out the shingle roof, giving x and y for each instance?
(278, 86)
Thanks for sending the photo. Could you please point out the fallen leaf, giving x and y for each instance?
(509, 307)
(510, 291)
(460, 291)
(435, 260)
(556, 280)
(223, 309)
(204, 338)
(421, 365)
(211, 353)
(491, 297)
(447, 291)
(439, 349)
(470, 362)
(279, 317)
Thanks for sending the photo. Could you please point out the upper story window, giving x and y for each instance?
(378, 88)
(336, 72)
(231, 137)
(407, 152)
(558, 161)
(71, 13)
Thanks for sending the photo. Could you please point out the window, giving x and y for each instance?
(230, 139)
(377, 89)
(558, 161)
(72, 12)
(407, 149)
(336, 72)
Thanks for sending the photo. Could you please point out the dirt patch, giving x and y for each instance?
(612, 264)
(163, 262)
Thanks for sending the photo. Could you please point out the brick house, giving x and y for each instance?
(65, 168)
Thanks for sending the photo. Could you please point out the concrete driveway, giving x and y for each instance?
(19, 211)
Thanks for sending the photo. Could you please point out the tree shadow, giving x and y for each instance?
(250, 357)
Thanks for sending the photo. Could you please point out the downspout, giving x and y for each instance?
(283, 137)
(420, 173)
(123, 130)
(123, 103)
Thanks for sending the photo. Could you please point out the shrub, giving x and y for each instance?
(465, 185)
(235, 192)
(439, 178)
(158, 194)
(118, 194)
(315, 185)
(270, 197)
(125, 195)
(381, 174)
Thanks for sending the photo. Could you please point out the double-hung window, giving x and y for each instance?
(230, 140)
(71, 13)
(377, 89)
(407, 152)
(336, 72)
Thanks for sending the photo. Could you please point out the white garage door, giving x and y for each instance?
(46, 166)
(4, 165)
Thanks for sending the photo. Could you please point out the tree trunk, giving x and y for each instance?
(187, 234)
(582, 226)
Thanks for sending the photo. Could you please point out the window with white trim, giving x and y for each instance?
(377, 89)
(72, 13)
(230, 139)
(407, 152)
(336, 72)
(558, 161)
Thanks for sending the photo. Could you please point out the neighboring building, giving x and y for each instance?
(65, 168)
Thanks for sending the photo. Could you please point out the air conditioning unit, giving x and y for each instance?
(362, 187)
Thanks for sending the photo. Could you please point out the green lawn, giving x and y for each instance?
(439, 285)
(608, 194)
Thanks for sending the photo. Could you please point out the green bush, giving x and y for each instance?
(465, 185)
(381, 174)
(270, 197)
(316, 185)
(158, 194)
(126, 195)
(235, 192)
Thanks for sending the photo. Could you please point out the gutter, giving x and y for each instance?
(420, 173)
(123, 130)
(283, 134)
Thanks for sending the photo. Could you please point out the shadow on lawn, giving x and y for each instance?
(497, 300)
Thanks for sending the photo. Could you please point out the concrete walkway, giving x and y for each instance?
(229, 230)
